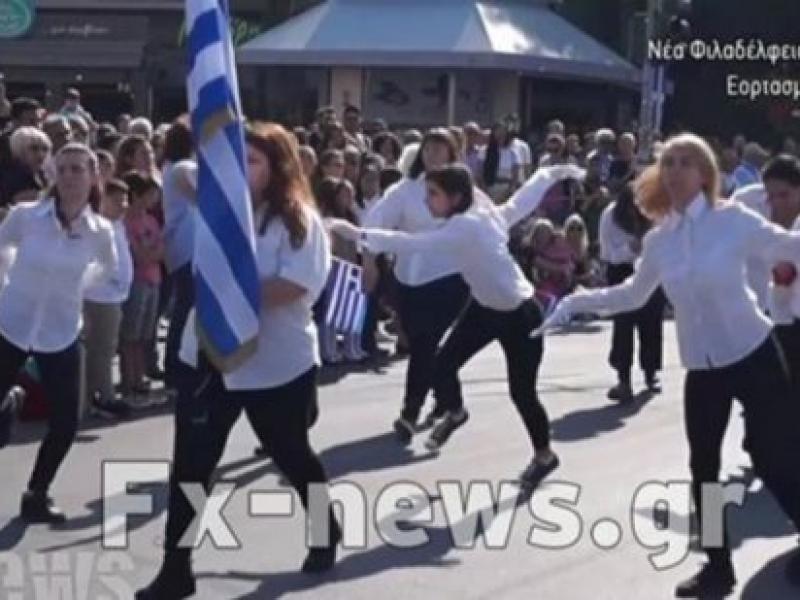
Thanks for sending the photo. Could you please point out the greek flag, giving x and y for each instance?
(347, 303)
(225, 273)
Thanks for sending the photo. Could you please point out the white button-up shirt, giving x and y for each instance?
(699, 258)
(115, 288)
(476, 242)
(404, 207)
(759, 272)
(615, 243)
(40, 303)
(478, 245)
(287, 335)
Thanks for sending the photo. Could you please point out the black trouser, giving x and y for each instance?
(476, 329)
(369, 343)
(760, 382)
(648, 320)
(427, 312)
(204, 416)
(789, 337)
(183, 290)
(61, 381)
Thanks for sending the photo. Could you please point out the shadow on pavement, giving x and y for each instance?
(433, 554)
(585, 424)
(375, 453)
(771, 582)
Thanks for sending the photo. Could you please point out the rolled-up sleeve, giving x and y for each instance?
(308, 265)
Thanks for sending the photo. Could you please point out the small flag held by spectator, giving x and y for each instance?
(346, 301)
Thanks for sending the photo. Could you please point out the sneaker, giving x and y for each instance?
(261, 452)
(430, 421)
(320, 560)
(621, 392)
(713, 579)
(156, 373)
(333, 358)
(356, 356)
(405, 430)
(108, 409)
(652, 382)
(137, 401)
(37, 507)
(535, 472)
(174, 581)
(445, 428)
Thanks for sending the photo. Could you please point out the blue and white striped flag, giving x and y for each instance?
(347, 302)
(225, 272)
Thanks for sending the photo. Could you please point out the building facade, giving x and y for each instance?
(123, 55)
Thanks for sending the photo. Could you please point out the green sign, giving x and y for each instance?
(16, 17)
(242, 31)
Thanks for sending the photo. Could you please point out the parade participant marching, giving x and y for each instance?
(622, 227)
(501, 308)
(778, 200)
(277, 386)
(57, 241)
(431, 293)
(698, 252)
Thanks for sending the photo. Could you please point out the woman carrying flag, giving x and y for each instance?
(276, 387)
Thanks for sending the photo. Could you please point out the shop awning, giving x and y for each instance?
(463, 34)
(73, 55)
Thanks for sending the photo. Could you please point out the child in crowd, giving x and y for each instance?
(140, 311)
(551, 262)
(336, 199)
(102, 309)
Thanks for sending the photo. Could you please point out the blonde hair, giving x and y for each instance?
(538, 226)
(141, 126)
(575, 220)
(22, 139)
(77, 148)
(651, 194)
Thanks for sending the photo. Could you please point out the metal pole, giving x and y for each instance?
(646, 111)
(451, 98)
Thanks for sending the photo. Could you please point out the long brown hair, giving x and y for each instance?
(126, 151)
(287, 191)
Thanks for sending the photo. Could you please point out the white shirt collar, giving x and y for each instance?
(47, 207)
(694, 210)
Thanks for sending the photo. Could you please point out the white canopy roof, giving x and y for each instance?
(480, 34)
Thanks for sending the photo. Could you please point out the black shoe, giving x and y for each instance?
(430, 421)
(445, 428)
(174, 581)
(106, 409)
(405, 430)
(401, 351)
(319, 560)
(36, 507)
(793, 568)
(535, 473)
(156, 374)
(621, 392)
(652, 382)
(713, 579)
